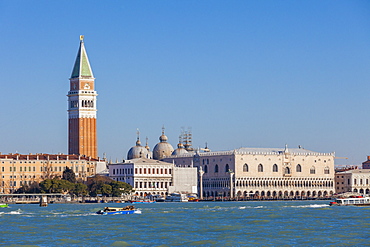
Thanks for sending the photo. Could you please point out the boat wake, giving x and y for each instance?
(137, 212)
(13, 212)
(245, 207)
(62, 215)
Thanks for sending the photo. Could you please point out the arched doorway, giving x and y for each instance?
(314, 194)
(308, 194)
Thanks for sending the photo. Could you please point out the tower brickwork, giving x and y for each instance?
(82, 137)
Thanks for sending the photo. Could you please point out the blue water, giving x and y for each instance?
(262, 223)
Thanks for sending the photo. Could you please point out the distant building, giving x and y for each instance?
(25, 169)
(151, 176)
(154, 177)
(20, 169)
(82, 137)
(366, 164)
(354, 180)
(262, 172)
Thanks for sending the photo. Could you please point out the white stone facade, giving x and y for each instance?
(185, 180)
(356, 180)
(269, 173)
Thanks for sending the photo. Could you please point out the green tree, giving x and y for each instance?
(105, 189)
(69, 175)
(80, 189)
(94, 184)
(64, 186)
(46, 186)
(107, 186)
(22, 190)
(119, 188)
(32, 188)
(56, 186)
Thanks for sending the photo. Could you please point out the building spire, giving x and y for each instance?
(138, 143)
(81, 68)
(146, 144)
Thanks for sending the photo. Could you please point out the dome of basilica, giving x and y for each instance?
(138, 151)
(180, 150)
(163, 148)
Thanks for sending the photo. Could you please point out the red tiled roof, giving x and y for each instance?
(47, 157)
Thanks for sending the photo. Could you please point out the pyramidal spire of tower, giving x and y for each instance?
(82, 68)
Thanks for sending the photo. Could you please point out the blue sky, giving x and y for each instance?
(239, 73)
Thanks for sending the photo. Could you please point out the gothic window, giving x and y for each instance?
(227, 168)
(326, 170)
(205, 169)
(275, 168)
(287, 170)
(312, 170)
(245, 168)
(216, 168)
(260, 168)
(298, 168)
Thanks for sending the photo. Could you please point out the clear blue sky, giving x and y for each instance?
(240, 73)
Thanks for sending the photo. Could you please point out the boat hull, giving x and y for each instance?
(357, 205)
(117, 212)
(358, 201)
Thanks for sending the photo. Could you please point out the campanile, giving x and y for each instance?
(82, 138)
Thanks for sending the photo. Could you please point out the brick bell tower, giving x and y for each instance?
(82, 138)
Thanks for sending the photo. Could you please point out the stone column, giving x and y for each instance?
(231, 184)
(201, 172)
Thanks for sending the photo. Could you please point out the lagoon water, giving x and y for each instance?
(261, 223)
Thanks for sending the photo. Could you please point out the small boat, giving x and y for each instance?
(3, 205)
(112, 210)
(44, 201)
(192, 199)
(351, 201)
(160, 199)
(177, 197)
